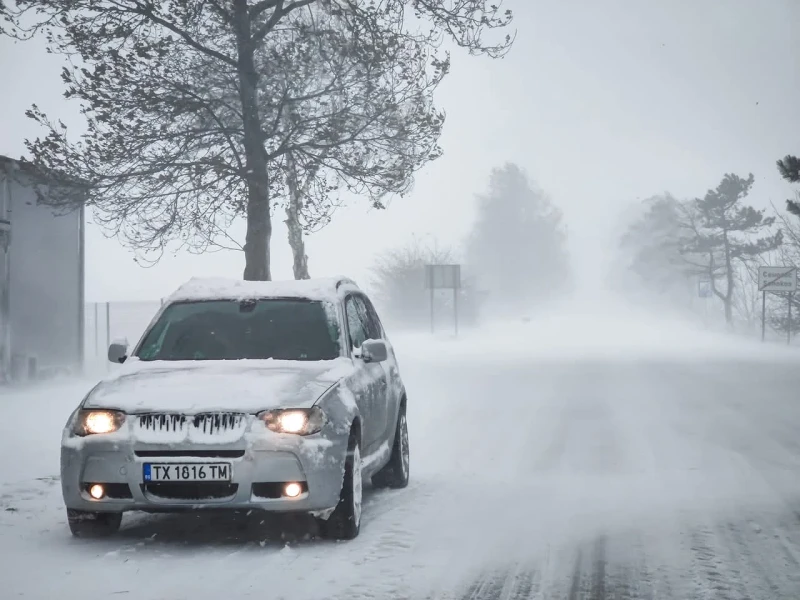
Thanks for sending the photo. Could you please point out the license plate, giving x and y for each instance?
(187, 472)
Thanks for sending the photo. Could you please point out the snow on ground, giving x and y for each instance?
(31, 435)
(603, 328)
(580, 456)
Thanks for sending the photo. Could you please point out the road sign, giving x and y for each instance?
(777, 279)
(442, 277)
(704, 288)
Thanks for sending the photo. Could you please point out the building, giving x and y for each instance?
(41, 278)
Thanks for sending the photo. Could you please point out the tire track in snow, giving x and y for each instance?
(628, 576)
(518, 583)
(588, 580)
(712, 572)
(748, 551)
(728, 560)
(769, 558)
(598, 581)
(526, 584)
(575, 582)
(615, 567)
(489, 587)
(787, 535)
(624, 582)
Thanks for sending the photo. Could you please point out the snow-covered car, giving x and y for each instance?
(246, 396)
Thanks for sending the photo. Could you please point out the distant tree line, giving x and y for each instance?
(673, 248)
(514, 258)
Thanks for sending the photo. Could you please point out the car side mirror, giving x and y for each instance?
(118, 352)
(374, 351)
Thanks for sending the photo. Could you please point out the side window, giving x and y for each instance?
(154, 341)
(354, 323)
(372, 321)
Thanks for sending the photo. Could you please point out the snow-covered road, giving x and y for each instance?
(620, 473)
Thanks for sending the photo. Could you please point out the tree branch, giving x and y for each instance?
(148, 13)
(260, 7)
(277, 15)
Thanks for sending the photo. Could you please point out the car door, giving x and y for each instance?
(368, 379)
(390, 387)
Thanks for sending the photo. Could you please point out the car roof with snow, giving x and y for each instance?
(200, 288)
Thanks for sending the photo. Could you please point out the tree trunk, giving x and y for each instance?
(300, 259)
(729, 312)
(729, 280)
(259, 225)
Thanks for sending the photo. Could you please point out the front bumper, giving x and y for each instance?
(261, 464)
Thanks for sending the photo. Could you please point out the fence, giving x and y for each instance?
(105, 322)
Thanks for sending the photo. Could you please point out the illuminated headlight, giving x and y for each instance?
(93, 422)
(294, 420)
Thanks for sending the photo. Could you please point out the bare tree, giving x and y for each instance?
(746, 298)
(145, 74)
(787, 254)
(359, 126)
(398, 280)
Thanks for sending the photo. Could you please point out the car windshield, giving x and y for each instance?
(232, 330)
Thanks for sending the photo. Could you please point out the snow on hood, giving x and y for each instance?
(195, 386)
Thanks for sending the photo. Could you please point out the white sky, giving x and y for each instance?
(603, 102)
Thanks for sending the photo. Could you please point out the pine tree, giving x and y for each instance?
(789, 168)
(654, 245)
(726, 232)
(517, 247)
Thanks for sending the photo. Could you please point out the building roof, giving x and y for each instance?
(11, 165)
(8, 164)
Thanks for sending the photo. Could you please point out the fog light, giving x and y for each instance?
(97, 491)
(292, 490)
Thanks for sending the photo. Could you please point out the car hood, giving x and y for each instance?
(193, 386)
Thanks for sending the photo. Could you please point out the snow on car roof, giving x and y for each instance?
(201, 288)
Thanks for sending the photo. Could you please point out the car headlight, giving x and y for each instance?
(294, 420)
(93, 422)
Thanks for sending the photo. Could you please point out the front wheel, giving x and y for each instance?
(92, 525)
(396, 472)
(345, 522)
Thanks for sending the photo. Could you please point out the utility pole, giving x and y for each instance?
(5, 278)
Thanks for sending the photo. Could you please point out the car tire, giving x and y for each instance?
(396, 473)
(84, 524)
(345, 521)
